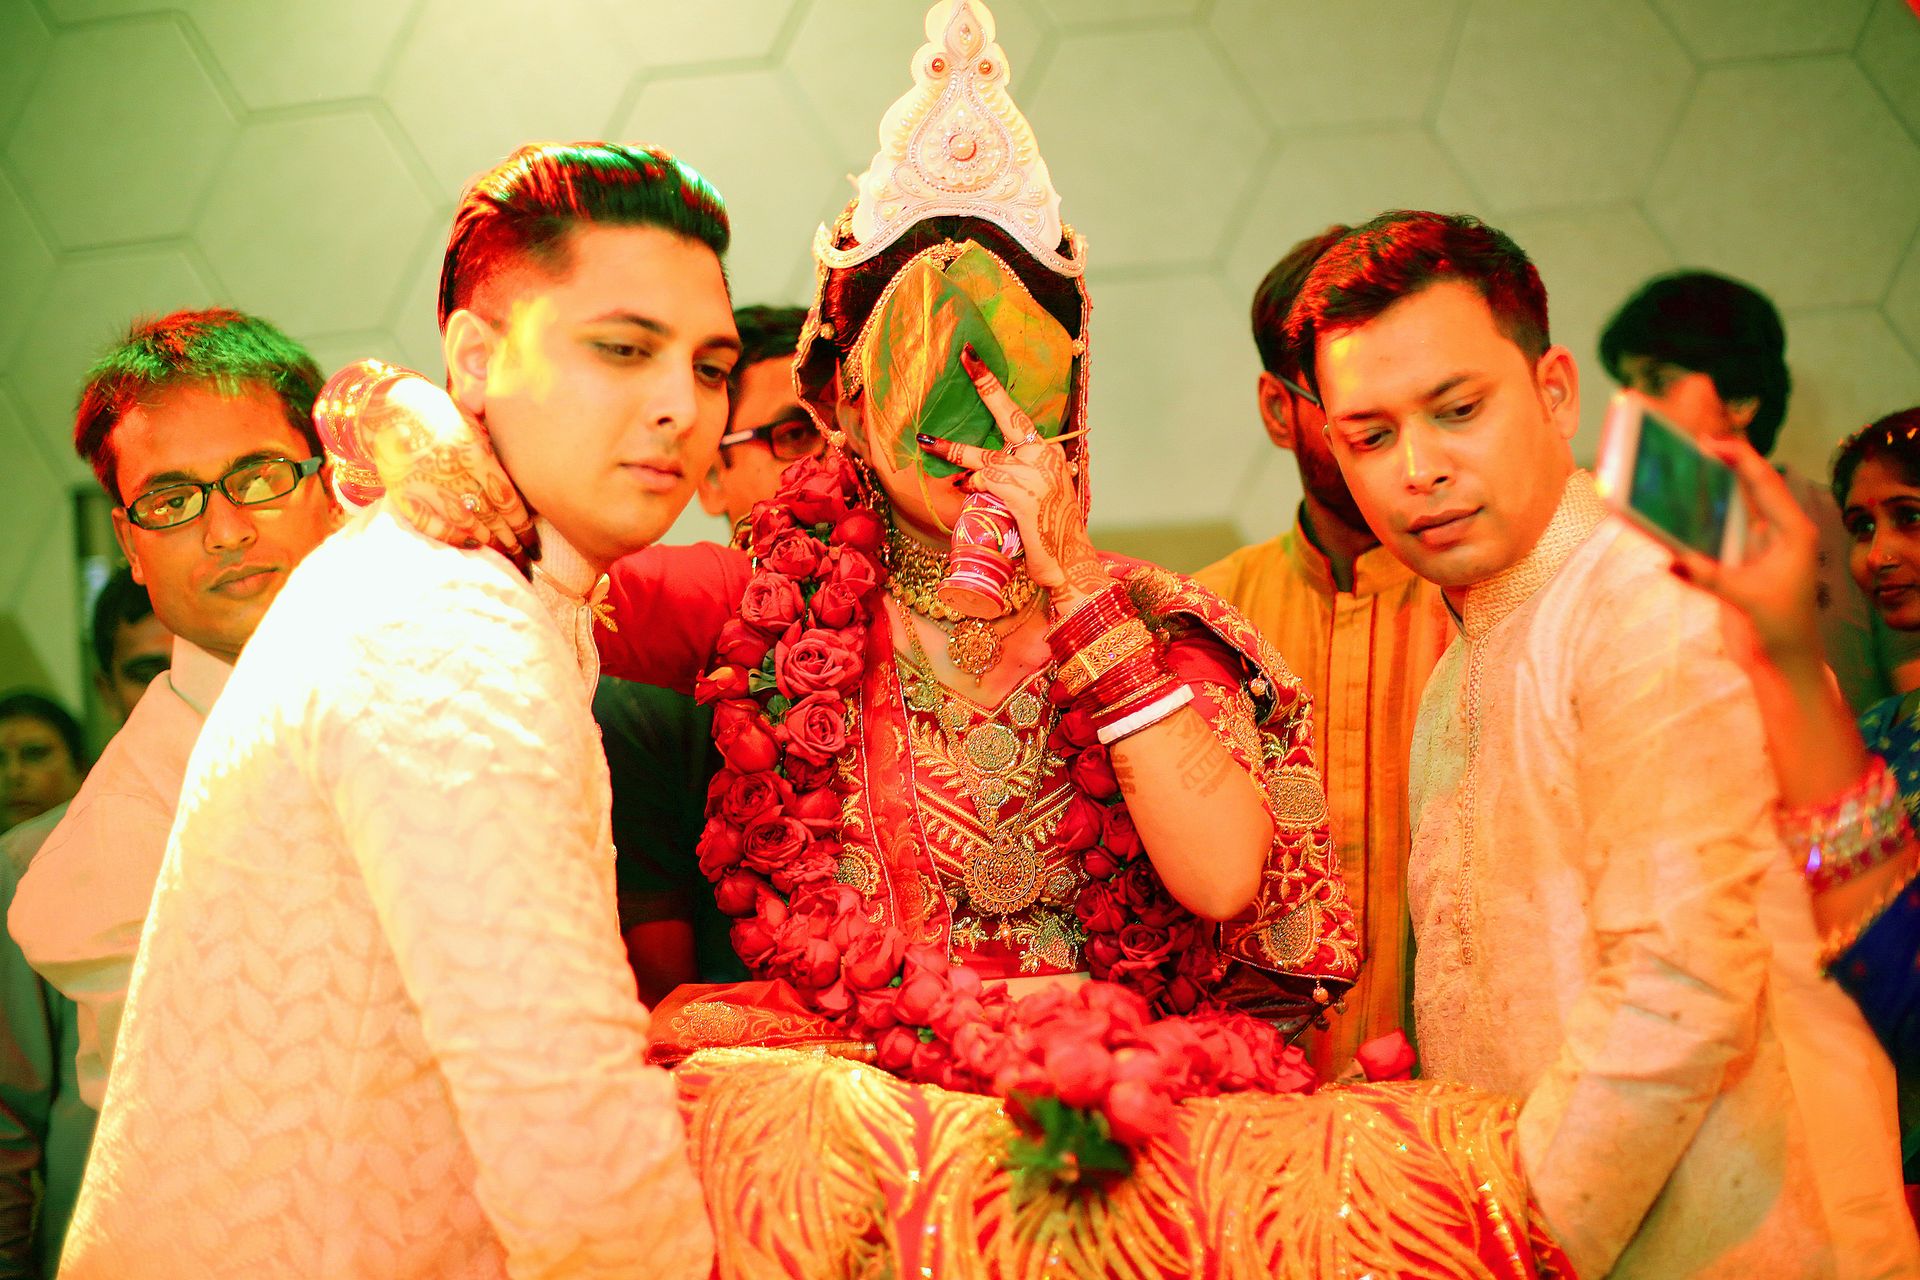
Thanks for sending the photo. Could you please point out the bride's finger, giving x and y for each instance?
(972, 457)
(1014, 424)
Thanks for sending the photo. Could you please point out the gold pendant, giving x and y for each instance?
(973, 647)
(1005, 879)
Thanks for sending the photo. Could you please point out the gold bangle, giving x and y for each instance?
(1103, 654)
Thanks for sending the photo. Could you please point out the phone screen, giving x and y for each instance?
(1680, 489)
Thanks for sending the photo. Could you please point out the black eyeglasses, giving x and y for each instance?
(1298, 390)
(249, 484)
(790, 438)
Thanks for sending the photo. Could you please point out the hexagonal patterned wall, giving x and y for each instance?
(299, 158)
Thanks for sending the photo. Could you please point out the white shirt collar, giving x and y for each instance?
(196, 676)
(570, 588)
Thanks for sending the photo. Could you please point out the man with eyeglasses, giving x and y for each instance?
(659, 743)
(198, 425)
(767, 430)
(1362, 632)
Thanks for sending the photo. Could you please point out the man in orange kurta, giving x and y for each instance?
(1362, 632)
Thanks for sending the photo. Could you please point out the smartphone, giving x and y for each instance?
(1655, 475)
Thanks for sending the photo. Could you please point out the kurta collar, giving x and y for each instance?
(1487, 604)
(571, 590)
(1374, 570)
(196, 676)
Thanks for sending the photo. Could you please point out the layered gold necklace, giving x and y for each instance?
(915, 573)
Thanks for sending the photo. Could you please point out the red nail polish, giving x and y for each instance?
(968, 356)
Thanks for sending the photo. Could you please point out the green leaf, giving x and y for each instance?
(759, 681)
(1063, 1147)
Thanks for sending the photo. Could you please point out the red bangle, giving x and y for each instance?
(1093, 618)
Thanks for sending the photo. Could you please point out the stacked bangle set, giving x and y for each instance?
(1103, 648)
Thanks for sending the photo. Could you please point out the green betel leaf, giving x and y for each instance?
(911, 358)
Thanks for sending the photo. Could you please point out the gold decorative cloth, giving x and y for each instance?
(821, 1167)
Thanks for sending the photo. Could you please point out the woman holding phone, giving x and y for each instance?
(1846, 790)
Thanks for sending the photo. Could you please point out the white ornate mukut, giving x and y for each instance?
(955, 144)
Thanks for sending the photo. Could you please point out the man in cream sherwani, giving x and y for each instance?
(1607, 925)
(380, 1022)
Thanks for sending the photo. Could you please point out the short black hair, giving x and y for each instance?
(522, 209)
(766, 333)
(1274, 298)
(121, 603)
(1710, 324)
(1894, 439)
(25, 704)
(1399, 254)
(217, 346)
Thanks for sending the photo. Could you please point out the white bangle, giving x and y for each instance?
(1146, 717)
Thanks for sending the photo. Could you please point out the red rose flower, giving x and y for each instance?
(834, 1002)
(728, 681)
(773, 842)
(919, 998)
(1290, 1072)
(1145, 944)
(795, 553)
(1092, 772)
(1103, 952)
(718, 849)
(933, 1063)
(1388, 1057)
(808, 866)
(737, 893)
(1075, 732)
(1099, 910)
(745, 743)
(1079, 1070)
(753, 942)
(772, 602)
(1121, 837)
(1183, 994)
(750, 796)
(816, 662)
(855, 570)
(1080, 825)
(768, 521)
(1138, 1113)
(805, 775)
(741, 644)
(873, 1010)
(816, 730)
(873, 960)
(860, 529)
(893, 1048)
(817, 807)
(816, 499)
(835, 606)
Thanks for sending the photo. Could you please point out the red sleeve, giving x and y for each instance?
(668, 605)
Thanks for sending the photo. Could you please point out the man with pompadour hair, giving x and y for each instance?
(1607, 926)
(382, 1024)
(1362, 631)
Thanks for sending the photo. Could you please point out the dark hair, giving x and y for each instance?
(227, 349)
(1894, 439)
(766, 333)
(523, 209)
(1709, 324)
(121, 603)
(24, 704)
(1404, 251)
(849, 295)
(1273, 299)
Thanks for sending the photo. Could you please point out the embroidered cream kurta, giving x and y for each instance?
(1607, 926)
(381, 1023)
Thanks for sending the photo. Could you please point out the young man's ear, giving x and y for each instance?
(1559, 380)
(1276, 410)
(469, 344)
(1741, 412)
(123, 534)
(713, 498)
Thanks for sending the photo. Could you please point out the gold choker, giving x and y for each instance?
(914, 575)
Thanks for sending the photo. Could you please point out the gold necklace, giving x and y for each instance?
(915, 572)
(992, 761)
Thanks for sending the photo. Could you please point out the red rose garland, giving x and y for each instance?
(784, 669)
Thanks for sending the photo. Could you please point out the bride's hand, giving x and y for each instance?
(1033, 477)
(441, 474)
(1774, 589)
